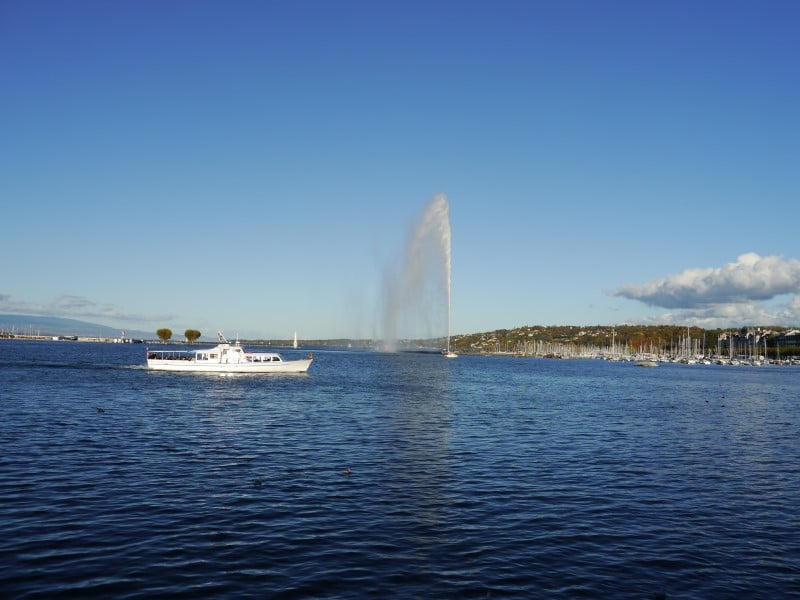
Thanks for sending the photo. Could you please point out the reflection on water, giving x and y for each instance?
(417, 405)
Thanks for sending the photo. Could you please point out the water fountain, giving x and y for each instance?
(418, 298)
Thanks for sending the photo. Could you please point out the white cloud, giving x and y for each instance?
(73, 307)
(729, 295)
(725, 315)
(750, 278)
(73, 303)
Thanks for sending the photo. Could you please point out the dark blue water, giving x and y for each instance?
(468, 478)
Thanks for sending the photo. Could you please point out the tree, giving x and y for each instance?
(164, 334)
(192, 335)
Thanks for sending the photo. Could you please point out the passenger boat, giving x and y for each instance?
(225, 357)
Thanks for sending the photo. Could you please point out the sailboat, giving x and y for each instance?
(294, 344)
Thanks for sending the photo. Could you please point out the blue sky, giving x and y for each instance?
(256, 167)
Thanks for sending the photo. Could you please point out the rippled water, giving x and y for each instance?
(468, 478)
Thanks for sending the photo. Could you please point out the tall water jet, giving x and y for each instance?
(417, 299)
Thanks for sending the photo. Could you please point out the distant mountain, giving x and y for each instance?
(27, 324)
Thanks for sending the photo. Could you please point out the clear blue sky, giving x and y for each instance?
(256, 166)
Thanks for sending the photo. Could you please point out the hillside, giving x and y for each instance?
(632, 338)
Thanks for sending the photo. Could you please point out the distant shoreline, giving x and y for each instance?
(772, 342)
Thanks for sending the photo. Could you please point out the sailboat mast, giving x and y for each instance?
(449, 353)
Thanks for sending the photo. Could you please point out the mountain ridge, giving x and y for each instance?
(62, 326)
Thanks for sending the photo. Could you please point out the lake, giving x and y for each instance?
(395, 476)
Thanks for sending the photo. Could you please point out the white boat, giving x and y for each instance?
(224, 358)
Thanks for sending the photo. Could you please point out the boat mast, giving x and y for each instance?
(448, 316)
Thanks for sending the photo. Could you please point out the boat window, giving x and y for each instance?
(212, 356)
